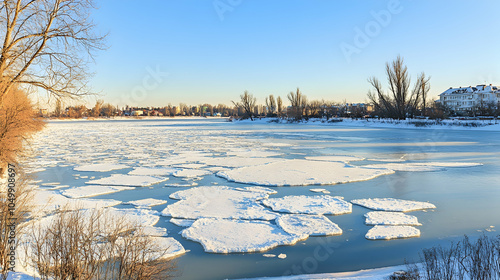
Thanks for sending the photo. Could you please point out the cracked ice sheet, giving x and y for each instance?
(390, 218)
(237, 236)
(100, 167)
(312, 225)
(147, 202)
(393, 204)
(218, 202)
(159, 171)
(301, 204)
(299, 172)
(392, 232)
(127, 180)
(89, 191)
(422, 166)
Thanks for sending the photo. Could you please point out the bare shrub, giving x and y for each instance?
(92, 244)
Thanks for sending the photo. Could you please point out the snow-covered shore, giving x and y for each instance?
(452, 124)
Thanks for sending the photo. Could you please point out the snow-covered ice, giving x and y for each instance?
(297, 172)
(218, 202)
(101, 167)
(392, 232)
(47, 201)
(182, 185)
(127, 180)
(393, 204)
(301, 204)
(390, 218)
(237, 236)
(282, 256)
(312, 225)
(234, 162)
(182, 222)
(173, 247)
(320, 191)
(336, 158)
(90, 190)
(158, 171)
(147, 202)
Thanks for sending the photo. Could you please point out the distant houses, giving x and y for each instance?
(470, 99)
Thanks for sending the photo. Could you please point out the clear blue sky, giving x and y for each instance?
(214, 50)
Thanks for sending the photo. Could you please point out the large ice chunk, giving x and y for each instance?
(298, 172)
(301, 204)
(392, 232)
(89, 191)
(100, 167)
(313, 225)
(218, 202)
(237, 236)
(390, 218)
(393, 204)
(127, 180)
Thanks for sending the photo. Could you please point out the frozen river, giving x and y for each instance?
(455, 170)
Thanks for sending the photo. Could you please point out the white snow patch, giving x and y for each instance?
(297, 172)
(393, 204)
(282, 256)
(392, 232)
(100, 167)
(237, 236)
(390, 218)
(301, 204)
(312, 225)
(128, 180)
(182, 185)
(89, 191)
(182, 222)
(47, 201)
(174, 248)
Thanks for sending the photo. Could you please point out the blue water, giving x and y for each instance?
(467, 199)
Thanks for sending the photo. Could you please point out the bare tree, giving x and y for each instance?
(400, 102)
(96, 111)
(247, 102)
(298, 101)
(58, 109)
(47, 44)
(279, 104)
(271, 104)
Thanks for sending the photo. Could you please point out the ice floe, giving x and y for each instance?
(191, 173)
(392, 232)
(301, 204)
(297, 172)
(182, 185)
(390, 218)
(182, 222)
(218, 202)
(89, 191)
(320, 191)
(173, 247)
(234, 162)
(48, 201)
(312, 225)
(127, 180)
(393, 204)
(147, 202)
(101, 167)
(238, 236)
(158, 171)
